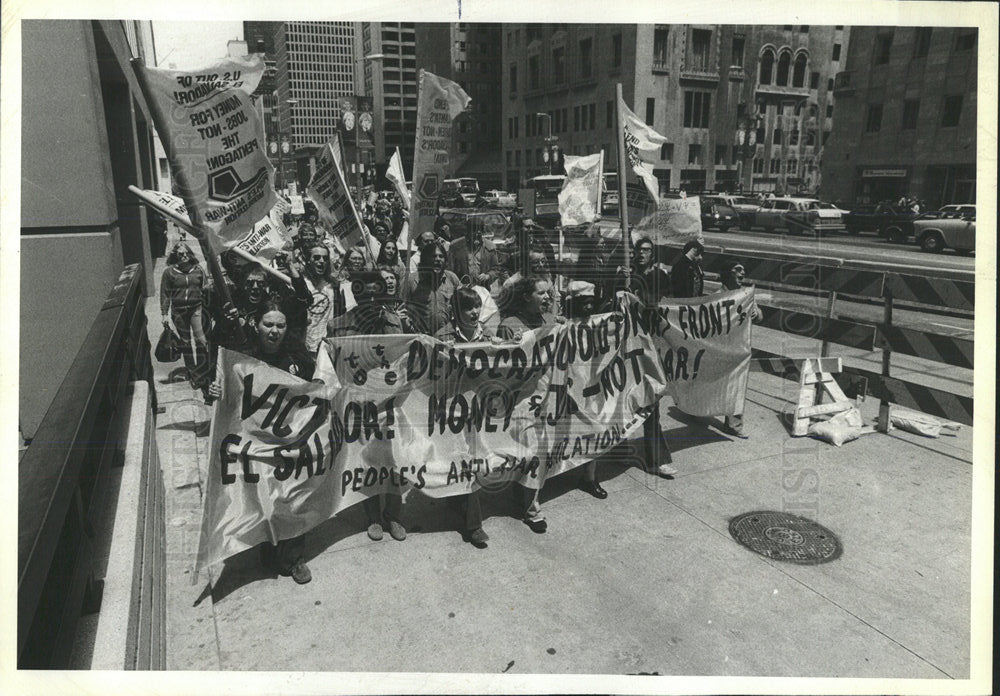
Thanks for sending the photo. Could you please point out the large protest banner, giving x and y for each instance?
(213, 140)
(642, 147)
(328, 190)
(580, 197)
(439, 101)
(391, 413)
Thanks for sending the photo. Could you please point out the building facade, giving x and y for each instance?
(906, 121)
(259, 38)
(700, 86)
(314, 68)
(391, 85)
(86, 135)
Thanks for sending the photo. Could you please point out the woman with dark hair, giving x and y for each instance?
(428, 292)
(269, 343)
(182, 291)
(388, 256)
(530, 300)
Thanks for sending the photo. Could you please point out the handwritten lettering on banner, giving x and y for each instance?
(328, 190)
(402, 411)
(672, 219)
(214, 136)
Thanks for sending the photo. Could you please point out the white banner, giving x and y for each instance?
(215, 143)
(642, 147)
(674, 220)
(439, 101)
(579, 199)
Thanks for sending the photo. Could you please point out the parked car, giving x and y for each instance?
(799, 215)
(715, 212)
(500, 199)
(494, 222)
(879, 218)
(949, 231)
(903, 231)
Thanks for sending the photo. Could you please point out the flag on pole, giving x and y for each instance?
(328, 190)
(439, 101)
(396, 175)
(579, 199)
(214, 142)
(265, 240)
(642, 145)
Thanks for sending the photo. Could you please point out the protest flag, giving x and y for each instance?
(397, 176)
(580, 197)
(328, 190)
(642, 146)
(261, 245)
(439, 101)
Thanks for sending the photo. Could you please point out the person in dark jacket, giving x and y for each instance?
(268, 342)
(686, 277)
(648, 279)
(182, 290)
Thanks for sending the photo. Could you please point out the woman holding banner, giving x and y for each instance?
(269, 343)
(530, 302)
(465, 327)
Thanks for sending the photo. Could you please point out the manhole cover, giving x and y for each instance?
(785, 537)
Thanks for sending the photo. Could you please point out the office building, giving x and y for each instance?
(906, 121)
(391, 84)
(700, 86)
(315, 66)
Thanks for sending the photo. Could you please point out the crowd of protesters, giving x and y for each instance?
(459, 287)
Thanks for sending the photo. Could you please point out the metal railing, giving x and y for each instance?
(63, 479)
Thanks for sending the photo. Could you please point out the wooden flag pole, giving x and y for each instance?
(622, 202)
(183, 185)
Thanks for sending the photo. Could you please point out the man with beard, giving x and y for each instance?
(428, 292)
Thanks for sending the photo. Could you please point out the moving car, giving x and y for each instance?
(799, 215)
(717, 213)
(500, 199)
(745, 206)
(953, 230)
(901, 231)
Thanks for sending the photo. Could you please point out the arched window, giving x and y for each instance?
(799, 73)
(784, 62)
(766, 67)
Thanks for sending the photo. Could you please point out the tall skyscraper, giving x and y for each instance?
(391, 83)
(698, 85)
(315, 66)
(906, 117)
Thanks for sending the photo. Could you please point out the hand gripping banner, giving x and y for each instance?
(390, 413)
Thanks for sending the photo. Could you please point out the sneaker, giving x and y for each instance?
(538, 526)
(478, 538)
(300, 573)
(396, 530)
(375, 531)
(666, 470)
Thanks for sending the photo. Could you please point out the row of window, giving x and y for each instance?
(695, 157)
(951, 114)
(964, 41)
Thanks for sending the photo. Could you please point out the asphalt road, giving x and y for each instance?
(861, 247)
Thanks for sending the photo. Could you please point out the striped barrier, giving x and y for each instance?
(803, 273)
(949, 350)
(840, 331)
(941, 292)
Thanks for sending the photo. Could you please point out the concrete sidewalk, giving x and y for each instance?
(647, 581)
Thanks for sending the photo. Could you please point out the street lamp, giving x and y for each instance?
(551, 150)
(364, 121)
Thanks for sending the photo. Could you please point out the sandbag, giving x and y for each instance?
(920, 423)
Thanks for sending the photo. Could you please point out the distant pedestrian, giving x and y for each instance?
(687, 279)
(182, 291)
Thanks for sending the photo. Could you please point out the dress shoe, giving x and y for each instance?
(375, 531)
(478, 538)
(300, 573)
(396, 530)
(595, 489)
(536, 525)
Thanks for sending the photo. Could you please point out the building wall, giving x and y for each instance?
(85, 138)
(392, 84)
(931, 160)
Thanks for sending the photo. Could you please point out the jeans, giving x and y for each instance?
(655, 443)
(188, 321)
(470, 510)
(384, 507)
